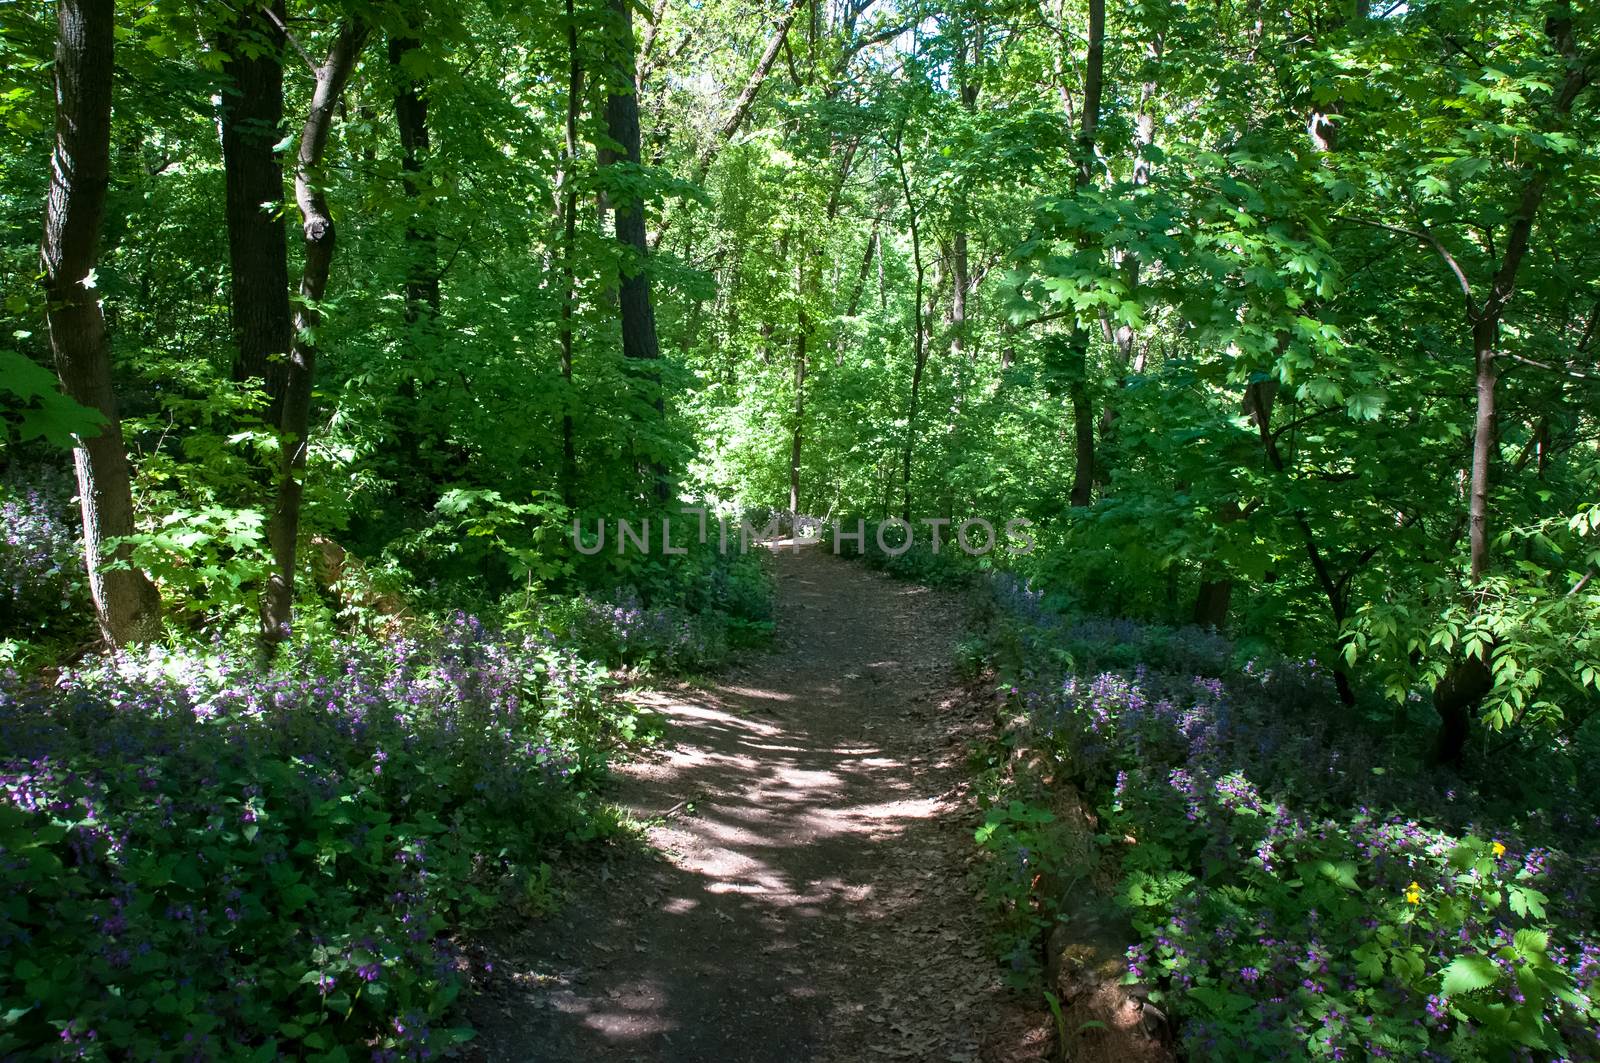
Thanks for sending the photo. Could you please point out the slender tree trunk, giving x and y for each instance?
(647, 45)
(1470, 679)
(866, 269)
(747, 97)
(803, 327)
(1083, 474)
(1486, 375)
(569, 249)
(283, 530)
(919, 348)
(422, 297)
(126, 604)
(258, 246)
(1212, 601)
(958, 294)
(1258, 400)
(960, 279)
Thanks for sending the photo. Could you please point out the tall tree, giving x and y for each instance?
(1083, 475)
(639, 340)
(569, 246)
(126, 603)
(283, 530)
(969, 83)
(253, 40)
(919, 347)
(411, 118)
(1470, 676)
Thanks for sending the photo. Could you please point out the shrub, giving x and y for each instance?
(1301, 887)
(202, 858)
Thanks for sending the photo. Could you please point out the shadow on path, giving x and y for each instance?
(807, 898)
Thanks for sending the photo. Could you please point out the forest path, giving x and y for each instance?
(807, 897)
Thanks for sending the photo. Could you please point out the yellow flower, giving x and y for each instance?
(1499, 850)
(1413, 894)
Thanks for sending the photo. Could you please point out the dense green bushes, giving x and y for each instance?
(1299, 885)
(203, 855)
(206, 858)
(203, 858)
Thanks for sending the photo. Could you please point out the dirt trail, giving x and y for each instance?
(808, 898)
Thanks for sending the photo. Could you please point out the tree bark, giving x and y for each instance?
(411, 118)
(569, 248)
(803, 327)
(258, 245)
(126, 603)
(283, 530)
(919, 348)
(1083, 474)
(639, 340)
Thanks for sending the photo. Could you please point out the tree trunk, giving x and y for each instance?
(1083, 475)
(960, 272)
(258, 246)
(1486, 375)
(569, 250)
(422, 297)
(411, 118)
(958, 294)
(1469, 679)
(639, 341)
(283, 530)
(126, 604)
(919, 349)
(1258, 400)
(747, 98)
(1211, 603)
(1458, 692)
(866, 268)
(803, 326)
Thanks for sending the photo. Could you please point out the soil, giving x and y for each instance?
(805, 890)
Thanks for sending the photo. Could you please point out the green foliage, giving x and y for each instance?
(206, 560)
(1027, 877)
(35, 408)
(1297, 889)
(204, 857)
(1239, 283)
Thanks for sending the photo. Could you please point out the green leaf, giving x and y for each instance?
(1467, 974)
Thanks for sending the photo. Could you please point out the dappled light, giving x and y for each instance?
(796, 817)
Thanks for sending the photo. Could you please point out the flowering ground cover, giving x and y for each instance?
(1300, 885)
(201, 857)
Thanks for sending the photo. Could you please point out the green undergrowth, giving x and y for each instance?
(1299, 886)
